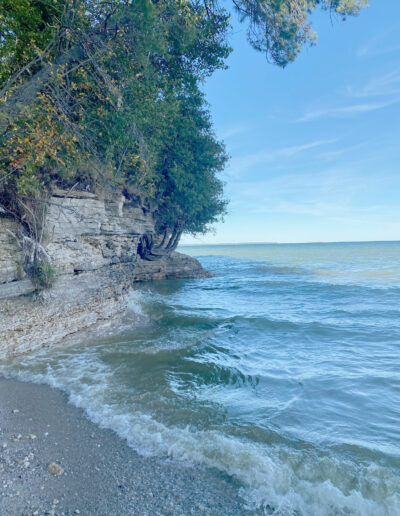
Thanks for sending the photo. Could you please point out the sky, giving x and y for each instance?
(314, 147)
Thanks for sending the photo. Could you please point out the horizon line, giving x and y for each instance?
(293, 243)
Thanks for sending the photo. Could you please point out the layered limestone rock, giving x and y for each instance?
(174, 266)
(92, 244)
(10, 254)
(28, 322)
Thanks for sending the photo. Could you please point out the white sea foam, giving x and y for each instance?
(135, 302)
(281, 480)
(325, 374)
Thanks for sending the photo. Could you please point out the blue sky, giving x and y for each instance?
(315, 148)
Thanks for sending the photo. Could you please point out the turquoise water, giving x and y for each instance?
(282, 370)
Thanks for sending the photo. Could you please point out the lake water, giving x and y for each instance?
(283, 370)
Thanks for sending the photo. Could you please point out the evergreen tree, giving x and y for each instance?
(106, 96)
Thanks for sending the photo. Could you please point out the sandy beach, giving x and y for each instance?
(54, 461)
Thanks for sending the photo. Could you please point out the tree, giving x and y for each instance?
(280, 28)
(105, 95)
(26, 30)
(189, 193)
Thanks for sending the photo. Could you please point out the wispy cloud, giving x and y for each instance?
(332, 182)
(234, 131)
(314, 208)
(378, 45)
(240, 164)
(344, 111)
(371, 51)
(334, 155)
(345, 212)
(388, 84)
(331, 192)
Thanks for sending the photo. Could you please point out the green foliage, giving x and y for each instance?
(26, 28)
(42, 274)
(190, 195)
(280, 28)
(106, 95)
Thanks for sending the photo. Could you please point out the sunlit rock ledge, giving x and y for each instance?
(92, 244)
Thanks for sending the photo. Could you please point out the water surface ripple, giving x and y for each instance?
(282, 370)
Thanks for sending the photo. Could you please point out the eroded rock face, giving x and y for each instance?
(10, 254)
(174, 266)
(28, 322)
(87, 233)
(93, 244)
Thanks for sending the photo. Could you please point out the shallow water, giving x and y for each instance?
(282, 370)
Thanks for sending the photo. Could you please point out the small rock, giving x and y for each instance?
(15, 411)
(77, 511)
(31, 437)
(55, 469)
(4, 445)
(55, 501)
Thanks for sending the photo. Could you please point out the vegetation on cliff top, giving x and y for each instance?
(106, 96)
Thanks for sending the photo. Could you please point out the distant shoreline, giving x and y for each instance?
(292, 243)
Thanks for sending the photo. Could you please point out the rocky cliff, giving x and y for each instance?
(92, 244)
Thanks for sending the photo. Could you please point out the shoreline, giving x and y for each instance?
(101, 474)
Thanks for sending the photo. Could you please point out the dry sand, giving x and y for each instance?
(100, 475)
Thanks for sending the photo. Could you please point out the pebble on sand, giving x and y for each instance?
(55, 469)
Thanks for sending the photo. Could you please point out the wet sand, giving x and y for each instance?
(100, 474)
